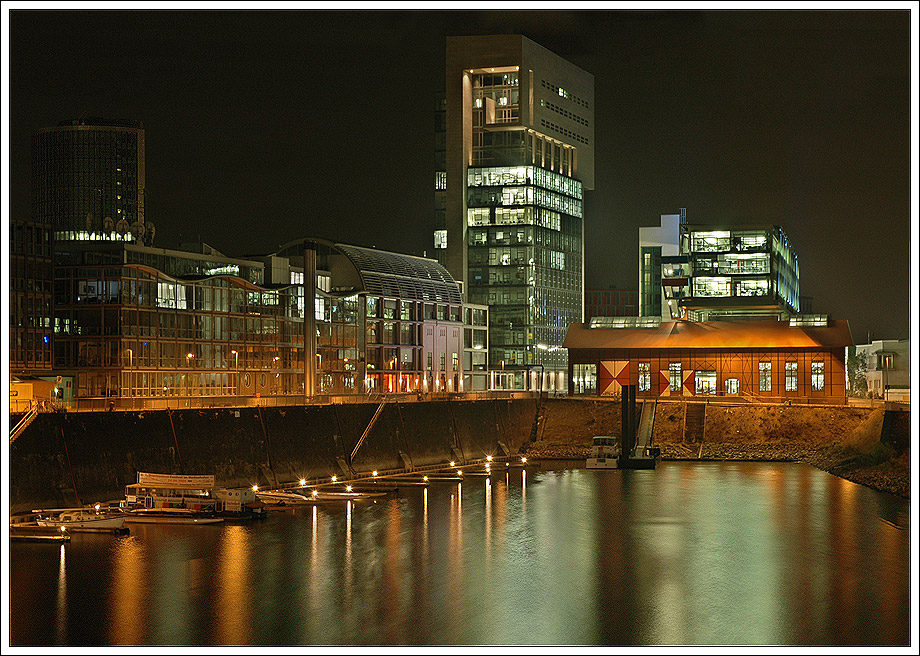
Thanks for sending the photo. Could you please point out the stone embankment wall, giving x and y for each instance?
(867, 445)
(63, 456)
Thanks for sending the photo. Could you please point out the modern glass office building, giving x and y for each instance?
(518, 152)
(736, 272)
(134, 322)
(388, 323)
(703, 272)
(31, 299)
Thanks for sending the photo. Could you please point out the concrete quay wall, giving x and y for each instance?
(63, 458)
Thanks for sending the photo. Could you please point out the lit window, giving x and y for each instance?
(817, 376)
(705, 382)
(675, 375)
(766, 376)
(440, 238)
(645, 376)
(792, 376)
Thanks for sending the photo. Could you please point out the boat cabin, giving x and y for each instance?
(602, 445)
(185, 491)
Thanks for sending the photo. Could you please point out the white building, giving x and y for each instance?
(887, 366)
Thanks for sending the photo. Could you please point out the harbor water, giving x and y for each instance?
(733, 553)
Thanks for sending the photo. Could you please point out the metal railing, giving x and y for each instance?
(26, 419)
(142, 403)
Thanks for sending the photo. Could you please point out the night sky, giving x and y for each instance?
(264, 126)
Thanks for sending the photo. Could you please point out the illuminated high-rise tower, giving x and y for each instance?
(514, 158)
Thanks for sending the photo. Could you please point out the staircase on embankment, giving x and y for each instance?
(694, 422)
(646, 426)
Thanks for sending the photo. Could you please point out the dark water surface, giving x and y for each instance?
(689, 554)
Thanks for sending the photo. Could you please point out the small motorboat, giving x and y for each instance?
(83, 518)
(605, 453)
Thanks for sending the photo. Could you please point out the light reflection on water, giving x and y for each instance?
(692, 553)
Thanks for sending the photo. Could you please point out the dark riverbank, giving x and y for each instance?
(67, 458)
(858, 444)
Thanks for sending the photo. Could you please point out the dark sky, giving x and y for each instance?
(263, 126)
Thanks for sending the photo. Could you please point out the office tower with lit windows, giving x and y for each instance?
(514, 156)
(88, 178)
(717, 272)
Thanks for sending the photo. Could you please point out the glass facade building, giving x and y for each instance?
(133, 321)
(514, 153)
(145, 327)
(735, 272)
(525, 259)
(31, 297)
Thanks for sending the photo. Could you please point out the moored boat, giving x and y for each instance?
(83, 518)
(281, 498)
(605, 453)
(196, 493)
(170, 516)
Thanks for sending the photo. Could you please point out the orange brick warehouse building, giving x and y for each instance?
(796, 359)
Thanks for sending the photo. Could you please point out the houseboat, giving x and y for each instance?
(194, 493)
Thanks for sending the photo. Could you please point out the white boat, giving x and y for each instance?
(605, 453)
(326, 496)
(170, 516)
(83, 518)
(280, 498)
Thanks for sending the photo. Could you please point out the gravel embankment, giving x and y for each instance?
(891, 475)
(841, 440)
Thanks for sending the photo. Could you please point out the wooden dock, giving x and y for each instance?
(34, 531)
(27, 537)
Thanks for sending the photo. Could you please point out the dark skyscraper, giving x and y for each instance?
(88, 180)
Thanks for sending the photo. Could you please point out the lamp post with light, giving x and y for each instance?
(130, 353)
(188, 378)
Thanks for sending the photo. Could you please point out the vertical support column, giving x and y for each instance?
(627, 421)
(309, 319)
(632, 416)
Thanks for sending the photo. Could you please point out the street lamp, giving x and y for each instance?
(236, 360)
(188, 378)
(130, 366)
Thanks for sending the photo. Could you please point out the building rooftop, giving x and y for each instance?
(711, 335)
(404, 276)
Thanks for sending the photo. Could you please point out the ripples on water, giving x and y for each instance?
(689, 554)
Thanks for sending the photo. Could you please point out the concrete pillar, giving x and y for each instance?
(309, 319)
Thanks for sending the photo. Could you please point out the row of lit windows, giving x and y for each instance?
(705, 381)
(724, 287)
(563, 93)
(523, 175)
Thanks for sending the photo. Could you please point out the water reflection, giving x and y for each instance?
(61, 609)
(232, 614)
(128, 610)
(692, 553)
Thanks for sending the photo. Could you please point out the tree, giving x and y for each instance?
(857, 366)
